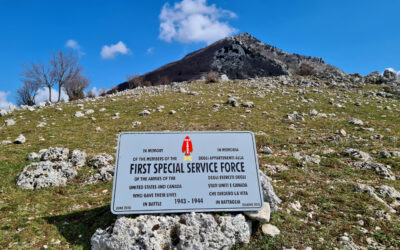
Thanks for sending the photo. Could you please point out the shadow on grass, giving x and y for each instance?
(78, 227)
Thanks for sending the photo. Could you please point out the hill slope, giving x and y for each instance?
(239, 57)
(324, 205)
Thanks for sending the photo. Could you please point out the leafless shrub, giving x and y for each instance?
(212, 77)
(75, 87)
(306, 69)
(27, 93)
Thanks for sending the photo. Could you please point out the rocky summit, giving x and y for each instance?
(237, 57)
(328, 151)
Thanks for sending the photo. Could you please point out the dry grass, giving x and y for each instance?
(71, 214)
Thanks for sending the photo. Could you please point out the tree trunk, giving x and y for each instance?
(49, 93)
(59, 93)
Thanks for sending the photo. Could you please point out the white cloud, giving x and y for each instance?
(108, 52)
(96, 91)
(194, 21)
(150, 51)
(393, 70)
(43, 95)
(4, 104)
(72, 44)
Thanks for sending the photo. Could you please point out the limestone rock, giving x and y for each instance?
(78, 158)
(33, 156)
(356, 121)
(390, 192)
(44, 174)
(5, 142)
(3, 112)
(185, 231)
(20, 139)
(266, 150)
(104, 174)
(263, 215)
(248, 104)
(101, 160)
(55, 154)
(144, 112)
(9, 122)
(270, 230)
(358, 154)
(79, 114)
(268, 193)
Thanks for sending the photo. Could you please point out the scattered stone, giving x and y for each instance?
(182, 90)
(341, 132)
(296, 206)
(266, 150)
(104, 174)
(275, 168)
(390, 192)
(115, 116)
(379, 168)
(193, 93)
(395, 153)
(20, 139)
(371, 191)
(78, 158)
(98, 129)
(101, 160)
(144, 112)
(270, 230)
(385, 154)
(33, 156)
(41, 124)
(358, 154)
(262, 215)
(89, 111)
(44, 174)
(184, 231)
(9, 122)
(55, 154)
(102, 109)
(171, 112)
(248, 105)
(233, 102)
(136, 123)
(3, 112)
(79, 114)
(5, 142)
(356, 121)
(313, 112)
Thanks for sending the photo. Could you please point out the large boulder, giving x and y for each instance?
(44, 174)
(185, 231)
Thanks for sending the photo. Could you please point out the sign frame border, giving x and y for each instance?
(162, 211)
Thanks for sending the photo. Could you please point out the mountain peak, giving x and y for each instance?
(240, 56)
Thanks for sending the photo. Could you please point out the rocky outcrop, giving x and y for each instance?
(46, 173)
(185, 231)
(237, 57)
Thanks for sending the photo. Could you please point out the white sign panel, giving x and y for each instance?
(172, 172)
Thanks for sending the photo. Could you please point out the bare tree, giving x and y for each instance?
(64, 68)
(75, 87)
(27, 93)
(37, 75)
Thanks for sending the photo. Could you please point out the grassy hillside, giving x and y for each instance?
(66, 217)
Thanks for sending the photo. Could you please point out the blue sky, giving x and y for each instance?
(357, 36)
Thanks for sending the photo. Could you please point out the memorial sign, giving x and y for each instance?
(170, 172)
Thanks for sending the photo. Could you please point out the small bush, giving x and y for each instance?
(212, 77)
(306, 69)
